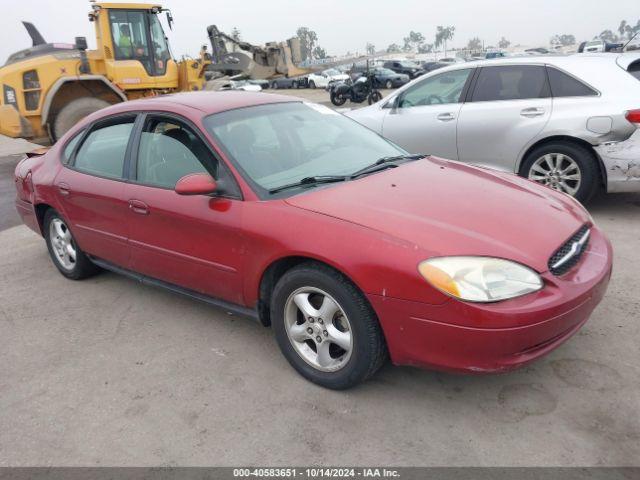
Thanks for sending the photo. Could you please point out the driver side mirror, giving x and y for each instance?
(196, 184)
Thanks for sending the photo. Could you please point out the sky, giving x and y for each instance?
(342, 26)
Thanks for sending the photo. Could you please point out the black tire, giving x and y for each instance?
(337, 100)
(312, 84)
(374, 97)
(83, 267)
(294, 85)
(584, 157)
(73, 112)
(389, 85)
(369, 351)
(274, 86)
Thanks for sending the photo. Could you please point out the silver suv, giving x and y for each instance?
(568, 122)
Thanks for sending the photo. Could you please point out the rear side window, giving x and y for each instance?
(71, 145)
(513, 82)
(634, 69)
(103, 151)
(563, 85)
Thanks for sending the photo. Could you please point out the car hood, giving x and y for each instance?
(448, 208)
(342, 76)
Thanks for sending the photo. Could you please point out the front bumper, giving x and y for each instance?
(466, 337)
(621, 162)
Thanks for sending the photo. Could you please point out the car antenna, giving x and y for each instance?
(630, 40)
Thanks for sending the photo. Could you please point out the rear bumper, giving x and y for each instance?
(621, 162)
(464, 337)
(28, 215)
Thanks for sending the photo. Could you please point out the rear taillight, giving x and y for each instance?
(633, 116)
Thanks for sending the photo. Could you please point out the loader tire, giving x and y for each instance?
(73, 112)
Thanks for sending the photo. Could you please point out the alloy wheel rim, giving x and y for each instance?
(557, 171)
(318, 329)
(63, 245)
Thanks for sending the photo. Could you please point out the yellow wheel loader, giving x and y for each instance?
(46, 89)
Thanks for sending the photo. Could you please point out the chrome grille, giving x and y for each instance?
(569, 254)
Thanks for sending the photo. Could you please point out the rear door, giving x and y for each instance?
(91, 187)
(508, 107)
(191, 241)
(425, 115)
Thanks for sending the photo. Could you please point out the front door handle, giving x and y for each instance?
(532, 112)
(446, 117)
(64, 189)
(136, 206)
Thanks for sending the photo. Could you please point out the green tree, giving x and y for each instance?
(504, 43)
(425, 48)
(413, 41)
(308, 39)
(565, 40)
(608, 36)
(394, 48)
(370, 48)
(319, 52)
(443, 35)
(475, 44)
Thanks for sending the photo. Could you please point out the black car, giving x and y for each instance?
(285, 82)
(402, 66)
(382, 77)
(431, 66)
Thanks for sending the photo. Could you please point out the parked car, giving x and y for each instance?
(322, 79)
(292, 214)
(285, 82)
(451, 60)
(243, 85)
(561, 121)
(404, 67)
(431, 66)
(382, 77)
(263, 84)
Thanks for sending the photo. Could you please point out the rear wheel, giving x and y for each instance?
(374, 97)
(274, 85)
(294, 84)
(75, 111)
(325, 327)
(63, 249)
(566, 167)
(389, 85)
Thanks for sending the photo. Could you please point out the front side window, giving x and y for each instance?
(512, 82)
(563, 85)
(278, 144)
(437, 90)
(168, 151)
(103, 151)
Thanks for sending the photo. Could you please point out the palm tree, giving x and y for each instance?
(444, 34)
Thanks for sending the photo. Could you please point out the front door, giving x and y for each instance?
(509, 107)
(190, 241)
(425, 116)
(91, 191)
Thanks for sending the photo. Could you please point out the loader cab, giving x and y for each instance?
(134, 46)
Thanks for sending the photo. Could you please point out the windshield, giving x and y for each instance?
(408, 64)
(279, 144)
(385, 71)
(331, 72)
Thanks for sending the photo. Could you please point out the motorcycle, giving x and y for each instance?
(359, 91)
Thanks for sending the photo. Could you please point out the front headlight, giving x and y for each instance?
(480, 279)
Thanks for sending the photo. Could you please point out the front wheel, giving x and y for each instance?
(389, 85)
(312, 84)
(67, 256)
(73, 112)
(337, 100)
(374, 97)
(325, 327)
(274, 86)
(566, 167)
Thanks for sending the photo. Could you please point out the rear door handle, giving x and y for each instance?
(446, 117)
(532, 112)
(64, 189)
(136, 206)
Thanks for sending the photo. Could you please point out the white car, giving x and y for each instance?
(243, 85)
(322, 79)
(568, 122)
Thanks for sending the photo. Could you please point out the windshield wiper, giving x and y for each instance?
(383, 163)
(316, 180)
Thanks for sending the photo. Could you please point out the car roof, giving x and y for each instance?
(206, 102)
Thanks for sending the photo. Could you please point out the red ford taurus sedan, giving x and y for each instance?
(290, 213)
